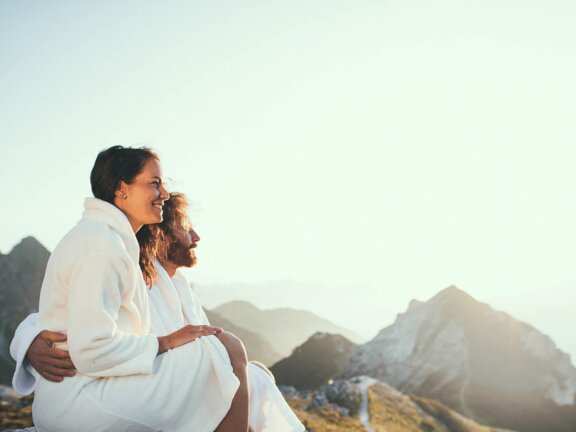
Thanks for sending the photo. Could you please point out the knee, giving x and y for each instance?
(235, 348)
(263, 367)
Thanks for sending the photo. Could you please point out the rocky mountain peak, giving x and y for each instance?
(28, 243)
(21, 274)
(473, 358)
(453, 295)
(29, 250)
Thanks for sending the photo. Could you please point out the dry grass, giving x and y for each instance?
(325, 419)
(453, 421)
(394, 412)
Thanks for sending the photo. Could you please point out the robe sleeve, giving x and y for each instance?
(96, 345)
(23, 381)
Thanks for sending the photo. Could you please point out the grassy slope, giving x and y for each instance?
(395, 412)
(390, 411)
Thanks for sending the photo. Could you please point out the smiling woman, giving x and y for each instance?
(93, 290)
(131, 179)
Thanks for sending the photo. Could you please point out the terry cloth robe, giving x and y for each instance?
(173, 303)
(94, 291)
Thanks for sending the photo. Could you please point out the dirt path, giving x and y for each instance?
(363, 413)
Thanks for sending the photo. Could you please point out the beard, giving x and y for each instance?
(181, 255)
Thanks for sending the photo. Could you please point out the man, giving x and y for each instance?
(172, 305)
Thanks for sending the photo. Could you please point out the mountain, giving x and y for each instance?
(315, 362)
(256, 346)
(361, 404)
(481, 362)
(21, 274)
(285, 328)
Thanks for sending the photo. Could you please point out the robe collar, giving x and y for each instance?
(101, 211)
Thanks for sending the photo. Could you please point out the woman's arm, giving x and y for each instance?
(185, 335)
(97, 344)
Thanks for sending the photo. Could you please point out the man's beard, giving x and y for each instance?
(181, 255)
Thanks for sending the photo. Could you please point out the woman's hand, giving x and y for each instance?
(185, 335)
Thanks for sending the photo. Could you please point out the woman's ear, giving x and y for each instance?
(121, 191)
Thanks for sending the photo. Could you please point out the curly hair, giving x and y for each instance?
(175, 217)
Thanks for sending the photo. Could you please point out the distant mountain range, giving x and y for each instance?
(257, 347)
(284, 328)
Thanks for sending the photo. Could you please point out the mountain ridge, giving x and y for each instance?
(474, 359)
(285, 328)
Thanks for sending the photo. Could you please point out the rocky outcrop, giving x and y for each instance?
(21, 274)
(479, 361)
(314, 363)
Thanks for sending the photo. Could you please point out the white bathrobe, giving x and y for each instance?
(93, 290)
(173, 304)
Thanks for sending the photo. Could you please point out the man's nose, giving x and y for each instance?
(194, 235)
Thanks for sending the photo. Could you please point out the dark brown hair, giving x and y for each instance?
(118, 164)
(148, 240)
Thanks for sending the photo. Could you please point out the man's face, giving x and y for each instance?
(181, 252)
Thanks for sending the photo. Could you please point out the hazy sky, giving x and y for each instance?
(373, 151)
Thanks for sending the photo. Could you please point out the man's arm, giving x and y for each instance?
(52, 363)
(33, 347)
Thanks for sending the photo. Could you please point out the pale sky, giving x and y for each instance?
(369, 151)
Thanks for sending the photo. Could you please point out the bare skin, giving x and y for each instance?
(236, 419)
(186, 334)
(52, 363)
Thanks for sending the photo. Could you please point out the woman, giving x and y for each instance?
(94, 291)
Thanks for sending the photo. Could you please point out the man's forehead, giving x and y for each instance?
(183, 222)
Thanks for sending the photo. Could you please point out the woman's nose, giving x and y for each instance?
(194, 235)
(164, 193)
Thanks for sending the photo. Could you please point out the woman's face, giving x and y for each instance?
(143, 199)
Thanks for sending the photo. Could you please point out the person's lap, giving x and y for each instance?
(191, 388)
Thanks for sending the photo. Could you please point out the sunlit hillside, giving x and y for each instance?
(390, 411)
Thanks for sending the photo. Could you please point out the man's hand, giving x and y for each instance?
(52, 363)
